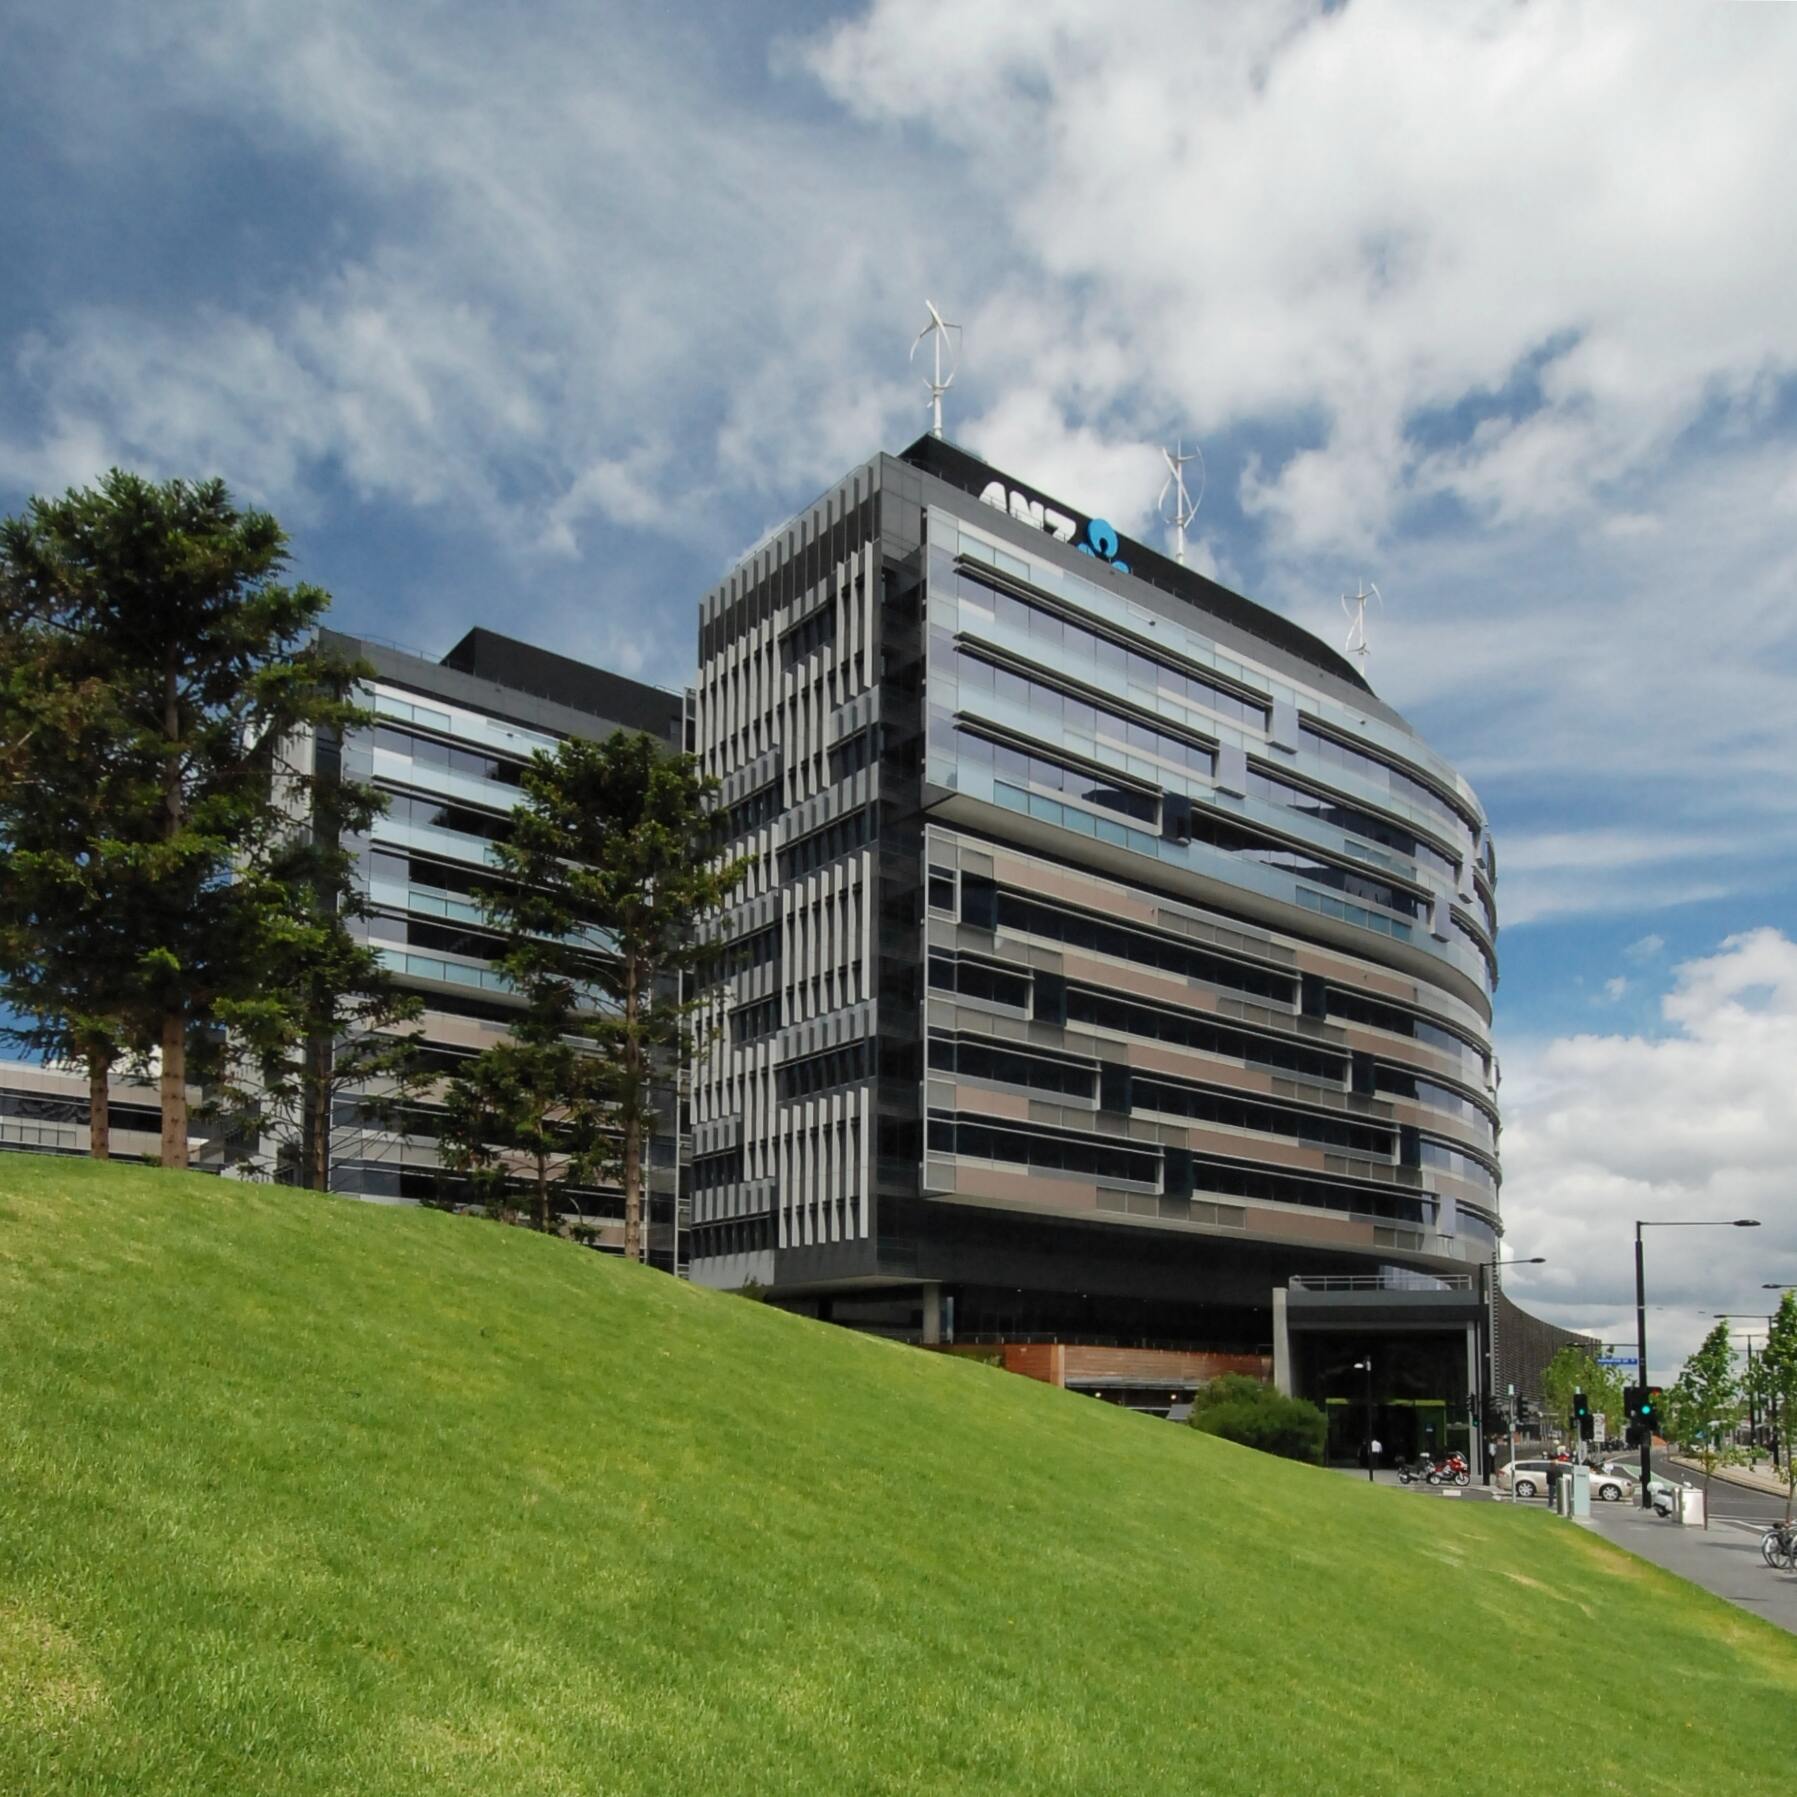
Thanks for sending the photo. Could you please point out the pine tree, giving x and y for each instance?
(157, 607)
(647, 834)
(332, 1019)
(532, 1111)
(608, 878)
(67, 955)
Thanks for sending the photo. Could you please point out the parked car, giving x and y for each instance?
(1611, 1484)
(1526, 1478)
(1529, 1478)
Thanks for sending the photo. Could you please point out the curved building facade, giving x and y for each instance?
(1115, 956)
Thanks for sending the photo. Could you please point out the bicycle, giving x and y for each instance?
(1778, 1546)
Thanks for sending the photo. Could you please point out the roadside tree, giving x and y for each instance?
(1779, 1359)
(1574, 1369)
(1706, 1407)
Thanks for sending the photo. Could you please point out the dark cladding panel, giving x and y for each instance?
(524, 668)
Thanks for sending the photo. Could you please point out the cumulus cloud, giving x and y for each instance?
(1443, 297)
(1532, 385)
(1267, 237)
(1694, 1123)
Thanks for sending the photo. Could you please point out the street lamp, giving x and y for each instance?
(1366, 1366)
(1641, 1317)
(1488, 1337)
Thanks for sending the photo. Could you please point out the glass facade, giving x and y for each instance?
(448, 753)
(1103, 901)
(1053, 698)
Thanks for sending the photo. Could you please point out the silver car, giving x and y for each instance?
(1529, 1478)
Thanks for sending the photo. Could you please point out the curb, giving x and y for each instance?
(1725, 1475)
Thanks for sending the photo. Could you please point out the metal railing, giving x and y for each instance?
(1393, 1279)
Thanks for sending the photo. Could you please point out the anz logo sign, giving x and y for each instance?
(1095, 537)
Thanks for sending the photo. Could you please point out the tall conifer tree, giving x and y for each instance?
(609, 877)
(160, 606)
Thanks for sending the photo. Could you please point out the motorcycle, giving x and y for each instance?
(1450, 1470)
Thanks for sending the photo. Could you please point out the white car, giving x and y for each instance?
(1529, 1478)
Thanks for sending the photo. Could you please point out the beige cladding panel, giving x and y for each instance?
(1063, 1197)
(1111, 899)
(1270, 1151)
(984, 1101)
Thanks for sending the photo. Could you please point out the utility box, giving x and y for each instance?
(1579, 1489)
(1690, 1506)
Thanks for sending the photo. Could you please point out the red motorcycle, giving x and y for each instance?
(1451, 1469)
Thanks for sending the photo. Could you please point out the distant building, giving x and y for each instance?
(1525, 1345)
(1115, 957)
(448, 749)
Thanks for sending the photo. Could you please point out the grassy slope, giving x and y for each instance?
(299, 1495)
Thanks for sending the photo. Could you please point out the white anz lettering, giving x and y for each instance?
(1099, 539)
(1026, 511)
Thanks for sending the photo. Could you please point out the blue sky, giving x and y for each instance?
(540, 318)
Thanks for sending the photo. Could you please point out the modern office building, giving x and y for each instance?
(1117, 968)
(448, 749)
(44, 1109)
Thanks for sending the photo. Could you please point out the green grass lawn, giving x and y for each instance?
(301, 1495)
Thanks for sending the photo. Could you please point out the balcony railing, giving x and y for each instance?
(1393, 1279)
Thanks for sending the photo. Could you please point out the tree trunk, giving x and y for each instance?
(318, 1114)
(633, 1187)
(633, 1127)
(542, 1193)
(174, 1090)
(99, 1088)
(174, 1020)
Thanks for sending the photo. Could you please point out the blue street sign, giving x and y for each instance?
(1618, 1360)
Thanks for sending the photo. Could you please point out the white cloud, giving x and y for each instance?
(610, 278)
(581, 295)
(1226, 201)
(1615, 989)
(1697, 1123)
(1442, 293)
(1645, 948)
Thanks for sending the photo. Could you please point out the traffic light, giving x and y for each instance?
(1648, 1412)
(1631, 1402)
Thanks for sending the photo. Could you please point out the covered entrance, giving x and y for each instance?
(1391, 1357)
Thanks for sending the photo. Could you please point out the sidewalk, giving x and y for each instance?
(1761, 1478)
(1724, 1560)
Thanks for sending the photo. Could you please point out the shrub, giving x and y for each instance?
(1243, 1410)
